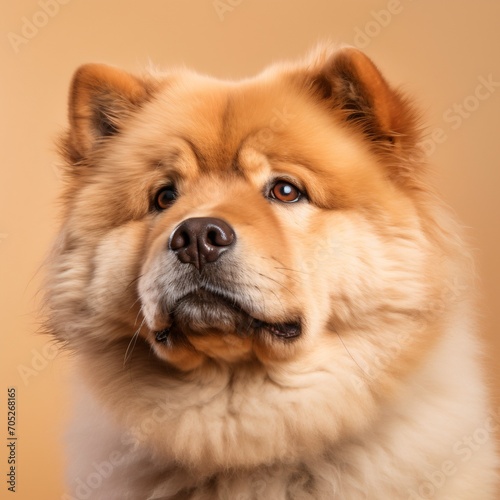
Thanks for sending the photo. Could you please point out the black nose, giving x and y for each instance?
(201, 240)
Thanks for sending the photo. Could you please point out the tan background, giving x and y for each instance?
(439, 50)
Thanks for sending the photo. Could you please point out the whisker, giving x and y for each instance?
(287, 275)
(132, 343)
(134, 280)
(352, 357)
(280, 284)
(138, 313)
(283, 266)
(291, 270)
(279, 300)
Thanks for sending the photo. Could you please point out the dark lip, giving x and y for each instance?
(282, 330)
(248, 324)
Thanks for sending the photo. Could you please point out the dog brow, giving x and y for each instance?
(200, 159)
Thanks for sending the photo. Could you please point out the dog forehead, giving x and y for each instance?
(217, 118)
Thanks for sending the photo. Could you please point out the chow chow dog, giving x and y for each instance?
(263, 297)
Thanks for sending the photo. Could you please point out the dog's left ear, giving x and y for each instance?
(101, 100)
(348, 82)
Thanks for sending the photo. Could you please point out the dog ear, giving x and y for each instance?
(350, 83)
(101, 99)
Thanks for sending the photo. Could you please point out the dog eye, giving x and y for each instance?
(165, 197)
(285, 191)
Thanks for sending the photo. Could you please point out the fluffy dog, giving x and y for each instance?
(263, 298)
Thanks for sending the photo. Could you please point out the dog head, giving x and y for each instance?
(278, 223)
(240, 220)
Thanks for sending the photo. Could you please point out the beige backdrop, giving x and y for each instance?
(446, 53)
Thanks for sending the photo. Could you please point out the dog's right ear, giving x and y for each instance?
(101, 99)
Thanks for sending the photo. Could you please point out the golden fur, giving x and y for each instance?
(362, 403)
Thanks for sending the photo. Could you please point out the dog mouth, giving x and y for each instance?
(205, 312)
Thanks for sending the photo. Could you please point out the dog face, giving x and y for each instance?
(277, 222)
